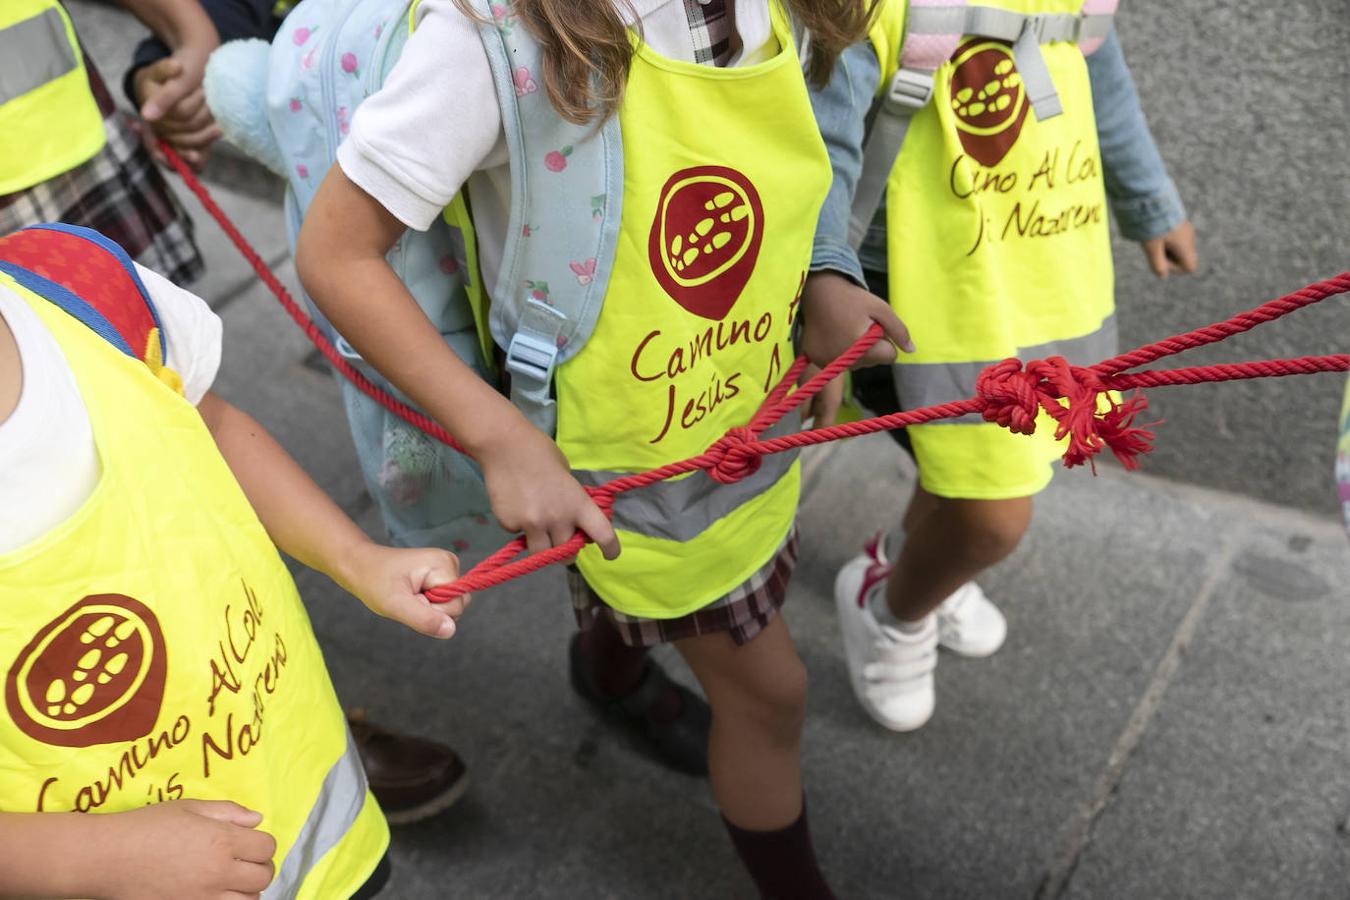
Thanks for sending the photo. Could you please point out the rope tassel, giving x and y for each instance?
(1013, 396)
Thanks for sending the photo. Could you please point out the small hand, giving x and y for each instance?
(392, 582)
(1173, 252)
(824, 406)
(173, 102)
(532, 490)
(217, 852)
(837, 312)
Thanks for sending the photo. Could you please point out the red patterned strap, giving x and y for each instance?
(94, 280)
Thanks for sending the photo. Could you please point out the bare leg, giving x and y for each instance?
(757, 692)
(921, 506)
(947, 543)
(758, 697)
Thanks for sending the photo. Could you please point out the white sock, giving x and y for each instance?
(876, 602)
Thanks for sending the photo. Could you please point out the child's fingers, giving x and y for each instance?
(536, 540)
(250, 878)
(190, 108)
(1156, 251)
(1181, 251)
(560, 534)
(159, 73)
(254, 847)
(185, 121)
(894, 329)
(166, 96)
(456, 607)
(226, 811)
(824, 410)
(442, 568)
(196, 140)
(423, 616)
(597, 527)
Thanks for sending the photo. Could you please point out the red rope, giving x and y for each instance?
(335, 359)
(1009, 393)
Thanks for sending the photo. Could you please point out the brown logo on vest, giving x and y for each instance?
(93, 675)
(988, 99)
(705, 238)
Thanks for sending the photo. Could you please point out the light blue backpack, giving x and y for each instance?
(328, 57)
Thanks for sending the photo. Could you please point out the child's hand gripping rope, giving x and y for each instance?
(1009, 393)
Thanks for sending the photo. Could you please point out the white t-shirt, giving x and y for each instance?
(48, 461)
(435, 124)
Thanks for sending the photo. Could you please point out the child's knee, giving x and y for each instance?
(776, 700)
(992, 531)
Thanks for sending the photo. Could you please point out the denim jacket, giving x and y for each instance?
(1143, 199)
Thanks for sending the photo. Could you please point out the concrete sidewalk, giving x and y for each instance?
(1169, 717)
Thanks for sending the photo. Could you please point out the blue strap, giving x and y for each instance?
(123, 259)
(66, 300)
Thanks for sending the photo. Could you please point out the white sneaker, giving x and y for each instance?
(968, 623)
(891, 671)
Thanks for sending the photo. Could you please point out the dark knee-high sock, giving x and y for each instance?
(616, 668)
(782, 863)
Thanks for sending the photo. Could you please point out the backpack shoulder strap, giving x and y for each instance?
(94, 280)
(566, 185)
(932, 31)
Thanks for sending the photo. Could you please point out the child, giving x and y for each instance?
(995, 239)
(723, 174)
(159, 669)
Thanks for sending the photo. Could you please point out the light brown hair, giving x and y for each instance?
(587, 51)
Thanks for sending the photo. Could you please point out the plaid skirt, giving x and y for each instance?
(119, 193)
(743, 612)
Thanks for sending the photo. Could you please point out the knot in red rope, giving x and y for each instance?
(730, 459)
(1071, 395)
(1011, 394)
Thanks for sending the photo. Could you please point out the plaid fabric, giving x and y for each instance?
(711, 29)
(119, 193)
(743, 612)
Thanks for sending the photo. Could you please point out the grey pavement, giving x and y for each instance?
(1170, 716)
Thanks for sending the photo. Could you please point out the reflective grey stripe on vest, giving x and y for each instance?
(340, 800)
(681, 510)
(991, 22)
(32, 53)
(928, 384)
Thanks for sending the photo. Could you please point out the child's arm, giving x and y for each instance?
(184, 850)
(305, 523)
(1145, 202)
(340, 256)
(169, 93)
(836, 309)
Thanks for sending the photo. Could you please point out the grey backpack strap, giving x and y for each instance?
(566, 186)
(908, 93)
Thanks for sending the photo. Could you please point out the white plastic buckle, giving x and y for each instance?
(531, 356)
(911, 89)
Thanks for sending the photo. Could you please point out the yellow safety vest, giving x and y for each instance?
(153, 646)
(49, 120)
(724, 175)
(998, 247)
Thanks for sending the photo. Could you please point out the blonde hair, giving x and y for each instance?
(587, 51)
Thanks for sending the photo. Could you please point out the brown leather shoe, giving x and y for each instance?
(412, 778)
